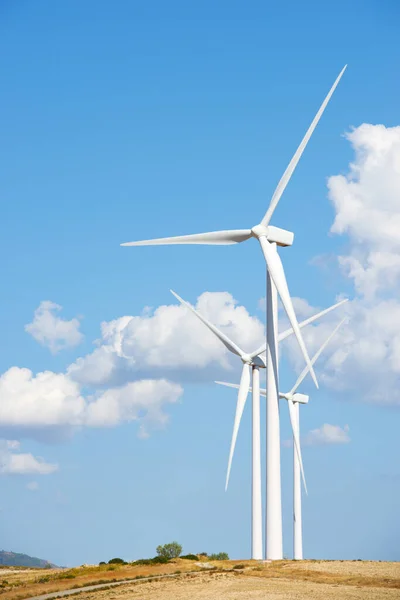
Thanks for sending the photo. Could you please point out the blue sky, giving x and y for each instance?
(131, 120)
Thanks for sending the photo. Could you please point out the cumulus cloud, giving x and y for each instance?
(326, 435)
(13, 462)
(138, 400)
(170, 341)
(363, 361)
(366, 202)
(52, 331)
(35, 404)
(130, 374)
(47, 399)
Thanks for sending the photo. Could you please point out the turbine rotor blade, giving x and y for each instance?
(316, 356)
(232, 347)
(236, 386)
(277, 274)
(296, 440)
(241, 401)
(293, 163)
(263, 391)
(214, 238)
(282, 336)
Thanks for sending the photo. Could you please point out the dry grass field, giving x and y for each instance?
(228, 580)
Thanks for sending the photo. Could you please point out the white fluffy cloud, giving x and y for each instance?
(139, 400)
(13, 462)
(45, 400)
(128, 376)
(366, 201)
(363, 361)
(51, 330)
(168, 341)
(51, 401)
(326, 435)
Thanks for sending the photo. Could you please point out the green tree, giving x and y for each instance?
(168, 551)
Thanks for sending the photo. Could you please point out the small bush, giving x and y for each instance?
(111, 567)
(152, 561)
(203, 554)
(171, 550)
(239, 567)
(143, 561)
(190, 557)
(117, 561)
(160, 560)
(44, 579)
(219, 556)
(102, 563)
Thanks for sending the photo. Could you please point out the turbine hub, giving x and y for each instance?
(246, 359)
(259, 231)
(282, 237)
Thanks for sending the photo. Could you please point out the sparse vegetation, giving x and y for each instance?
(157, 560)
(303, 579)
(190, 557)
(219, 556)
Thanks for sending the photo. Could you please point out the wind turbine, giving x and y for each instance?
(294, 399)
(251, 364)
(269, 237)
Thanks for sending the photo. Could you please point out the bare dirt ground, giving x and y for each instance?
(227, 586)
(281, 580)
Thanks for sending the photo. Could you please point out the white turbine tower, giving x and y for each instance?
(251, 364)
(294, 399)
(269, 237)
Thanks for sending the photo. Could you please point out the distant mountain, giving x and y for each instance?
(15, 559)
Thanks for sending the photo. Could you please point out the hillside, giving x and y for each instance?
(15, 559)
(183, 579)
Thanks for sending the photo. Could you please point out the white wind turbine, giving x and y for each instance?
(251, 364)
(294, 399)
(269, 237)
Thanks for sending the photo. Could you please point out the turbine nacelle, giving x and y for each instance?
(300, 398)
(281, 237)
(256, 361)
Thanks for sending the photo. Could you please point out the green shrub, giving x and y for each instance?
(151, 561)
(160, 559)
(190, 556)
(143, 561)
(117, 561)
(219, 556)
(171, 550)
(102, 563)
(239, 567)
(44, 579)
